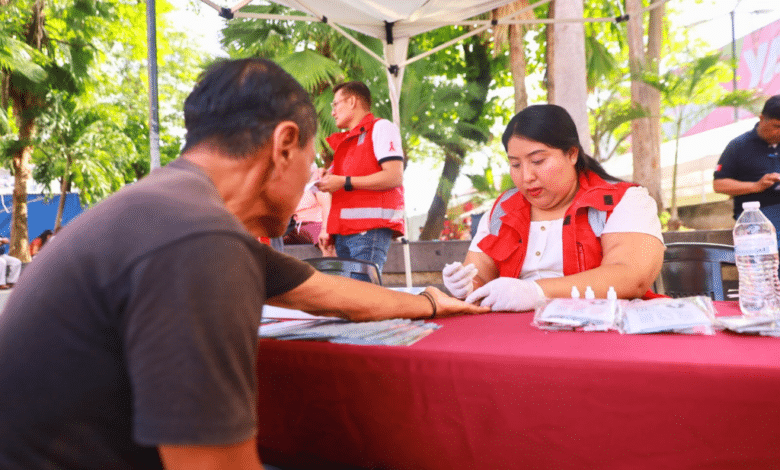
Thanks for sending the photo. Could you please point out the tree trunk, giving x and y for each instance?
(64, 188)
(647, 164)
(438, 210)
(569, 67)
(654, 41)
(20, 159)
(674, 218)
(478, 75)
(549, 76)
(26, 107)
(518, 64)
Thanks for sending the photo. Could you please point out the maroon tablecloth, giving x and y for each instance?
(494, 392)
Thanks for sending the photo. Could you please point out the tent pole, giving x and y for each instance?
(395, 53)
(154, 121)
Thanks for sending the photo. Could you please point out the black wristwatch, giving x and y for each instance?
(348, 184)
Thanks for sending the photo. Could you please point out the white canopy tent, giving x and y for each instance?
(392, 22)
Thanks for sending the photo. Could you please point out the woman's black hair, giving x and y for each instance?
(45, 235)
(553, 126)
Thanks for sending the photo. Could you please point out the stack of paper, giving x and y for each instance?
(386, 333)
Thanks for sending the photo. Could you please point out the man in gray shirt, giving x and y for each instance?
(131, 341)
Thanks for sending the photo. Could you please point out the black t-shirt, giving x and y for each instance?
(749, 158)
(137, 327)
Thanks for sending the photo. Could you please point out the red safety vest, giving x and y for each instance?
(361, 209)
(510, 223)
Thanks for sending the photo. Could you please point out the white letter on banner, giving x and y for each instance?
(755, 63)
(771, 61)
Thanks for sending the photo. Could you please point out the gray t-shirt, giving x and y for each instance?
(136, 326)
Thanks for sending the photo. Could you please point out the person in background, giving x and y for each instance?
(749, 167)
(567, 223)
(143, 354)
(367, 198)
(37, 243)
(311, 217)
(10, 266)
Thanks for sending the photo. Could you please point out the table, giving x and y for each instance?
(494, 392)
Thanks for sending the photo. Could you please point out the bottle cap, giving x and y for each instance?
(575, 293)
(589, 294)
(750, 205)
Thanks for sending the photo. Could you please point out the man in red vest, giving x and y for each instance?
(365, 180)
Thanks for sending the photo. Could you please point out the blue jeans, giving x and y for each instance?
(371, 245)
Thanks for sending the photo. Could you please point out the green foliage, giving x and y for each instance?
(694, 90)
(83, 146)
(91, 76)
(486, 186)
(435, 104)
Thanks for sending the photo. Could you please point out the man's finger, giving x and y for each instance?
(477, 294)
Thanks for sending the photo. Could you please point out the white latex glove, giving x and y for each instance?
(457, 279)
(507, 294)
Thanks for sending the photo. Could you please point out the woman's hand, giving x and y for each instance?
(457, 278)
(507, 294)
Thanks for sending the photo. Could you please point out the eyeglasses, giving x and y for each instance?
(336, 103)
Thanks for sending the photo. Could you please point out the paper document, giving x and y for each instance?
(269, 311)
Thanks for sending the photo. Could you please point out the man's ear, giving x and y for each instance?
(353, 101)
(285, 138)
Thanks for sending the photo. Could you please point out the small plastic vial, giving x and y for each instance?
(575, 293)
(589, 294)
(611, 294)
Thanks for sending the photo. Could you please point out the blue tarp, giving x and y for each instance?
(40, 213)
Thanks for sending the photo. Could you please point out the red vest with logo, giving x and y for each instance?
(508, 239)
(362, 209)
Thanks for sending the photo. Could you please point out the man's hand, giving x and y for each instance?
(507, 294)
(325, 243)
(4, 241)
(331, 183)
(447, 306)
(767, 180)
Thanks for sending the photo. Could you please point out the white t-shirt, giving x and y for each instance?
(387, 140)
(636, 212)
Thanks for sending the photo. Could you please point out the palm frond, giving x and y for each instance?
(311, 69)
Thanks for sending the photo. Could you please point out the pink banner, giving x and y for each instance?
(759, 68)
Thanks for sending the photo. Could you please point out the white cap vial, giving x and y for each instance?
(575, 293)
(589, 294)
(611, 294)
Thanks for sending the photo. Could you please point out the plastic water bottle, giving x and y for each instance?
(755, 250)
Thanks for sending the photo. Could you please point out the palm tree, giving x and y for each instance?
(63, 52)
(82, 147)
(690, 93)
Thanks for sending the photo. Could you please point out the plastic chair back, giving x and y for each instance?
(346, 266)
(695, 269)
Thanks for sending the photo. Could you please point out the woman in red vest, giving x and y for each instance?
(567, 223)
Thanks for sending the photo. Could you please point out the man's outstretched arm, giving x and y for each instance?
(324, 294)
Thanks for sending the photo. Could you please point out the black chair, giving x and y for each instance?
(346, 267)
(694, 269)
